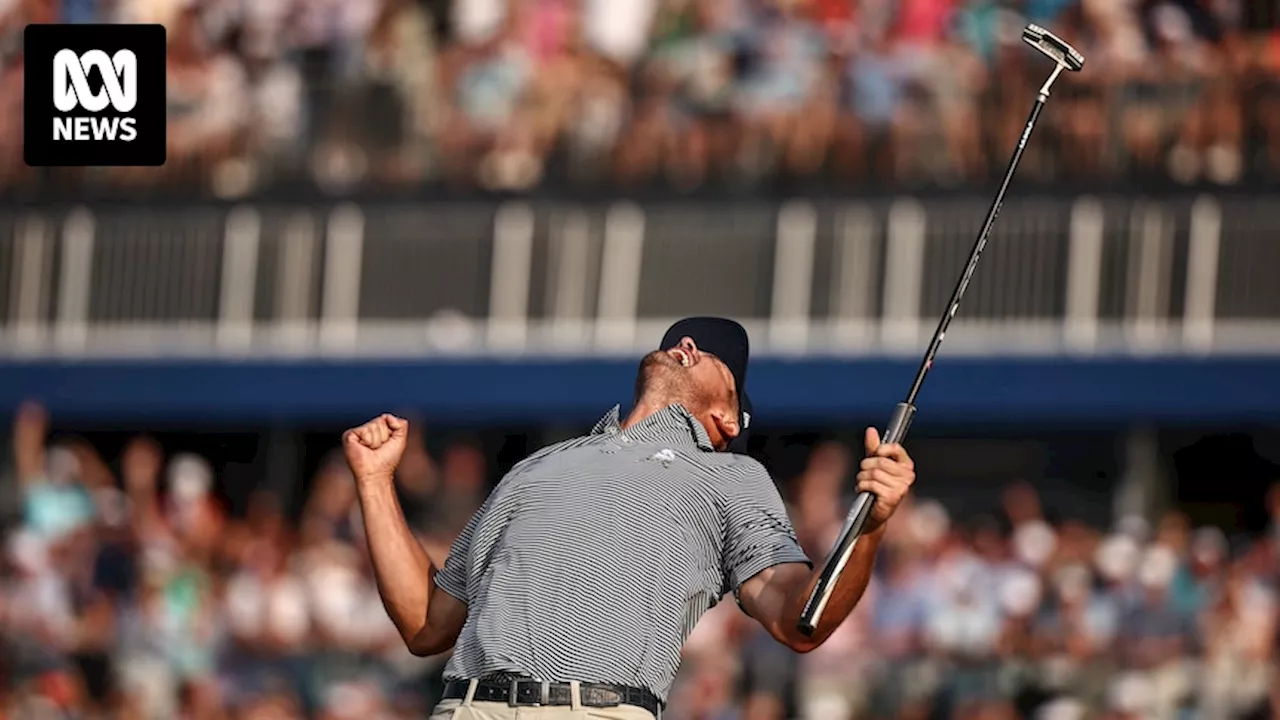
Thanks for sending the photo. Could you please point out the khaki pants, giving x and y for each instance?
(466, 709)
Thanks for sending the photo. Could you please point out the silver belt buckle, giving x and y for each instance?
(544, 697)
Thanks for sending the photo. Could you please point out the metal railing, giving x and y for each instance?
(1083, 275)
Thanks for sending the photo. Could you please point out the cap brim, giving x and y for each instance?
(739, 443)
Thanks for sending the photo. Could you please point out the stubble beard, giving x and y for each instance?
(663, 379)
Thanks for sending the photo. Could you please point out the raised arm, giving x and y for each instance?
(429, 619)
(30, 428)
(776, 595)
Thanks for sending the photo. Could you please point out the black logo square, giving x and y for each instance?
(94, 95)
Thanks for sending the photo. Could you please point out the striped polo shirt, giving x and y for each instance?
(594, 558)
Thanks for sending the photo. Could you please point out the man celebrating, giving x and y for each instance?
(577, 582)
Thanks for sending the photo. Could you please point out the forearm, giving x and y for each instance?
(848, 590)
(401, 567)
(28, 459)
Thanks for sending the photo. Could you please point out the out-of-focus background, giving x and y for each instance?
(691, 94)
(479, 213)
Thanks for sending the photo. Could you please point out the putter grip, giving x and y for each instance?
(899, 423)
(894, 432)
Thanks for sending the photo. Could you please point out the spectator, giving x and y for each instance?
(55, 501)
(905, 680)
(1074, 633)
(267, 614)
(399, 98)
(1240, 629)
(1155, 636)
(783, 97)
(207, 100)
(487, 86)
(962, 632)
(873, 126)
(464, 472)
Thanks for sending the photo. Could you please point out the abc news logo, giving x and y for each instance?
(71, 90)
(94, 95)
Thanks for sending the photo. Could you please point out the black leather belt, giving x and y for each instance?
(527, 692)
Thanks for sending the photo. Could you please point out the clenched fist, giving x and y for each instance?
(373, 450)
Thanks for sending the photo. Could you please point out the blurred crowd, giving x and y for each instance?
(129, 590)
(137, 593)
(1015, 614)
(517, 94)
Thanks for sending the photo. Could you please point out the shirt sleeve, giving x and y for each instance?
(452, 578)
(758, 533)
(455, 577)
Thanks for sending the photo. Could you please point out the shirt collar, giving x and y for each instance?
(673, 424)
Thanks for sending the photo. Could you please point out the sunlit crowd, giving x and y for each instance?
(137, 593)
(130, 589)
(684, 94)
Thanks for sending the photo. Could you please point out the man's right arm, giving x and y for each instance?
(429, 619)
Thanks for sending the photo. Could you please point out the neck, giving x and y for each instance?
(646, 406)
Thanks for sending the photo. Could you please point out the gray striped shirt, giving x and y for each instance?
(594, 558)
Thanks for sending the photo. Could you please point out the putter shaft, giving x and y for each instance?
(900, 422)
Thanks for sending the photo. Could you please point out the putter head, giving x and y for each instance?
(1053, 46)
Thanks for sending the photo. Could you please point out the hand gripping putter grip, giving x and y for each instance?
(1064, 57)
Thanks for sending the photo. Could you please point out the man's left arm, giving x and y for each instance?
(775, 595)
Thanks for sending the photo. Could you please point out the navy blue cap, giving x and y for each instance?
(727, 340)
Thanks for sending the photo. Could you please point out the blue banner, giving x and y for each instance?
(959, 390)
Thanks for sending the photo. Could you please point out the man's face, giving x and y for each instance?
(704, 384)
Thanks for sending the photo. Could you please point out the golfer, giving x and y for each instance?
(574, 587)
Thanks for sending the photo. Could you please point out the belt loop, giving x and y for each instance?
(575, 695)
(471, 692)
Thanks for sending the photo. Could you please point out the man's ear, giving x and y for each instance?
(727, 422)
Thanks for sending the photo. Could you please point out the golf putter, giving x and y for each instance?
(1065, 57)
(1056, 49)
